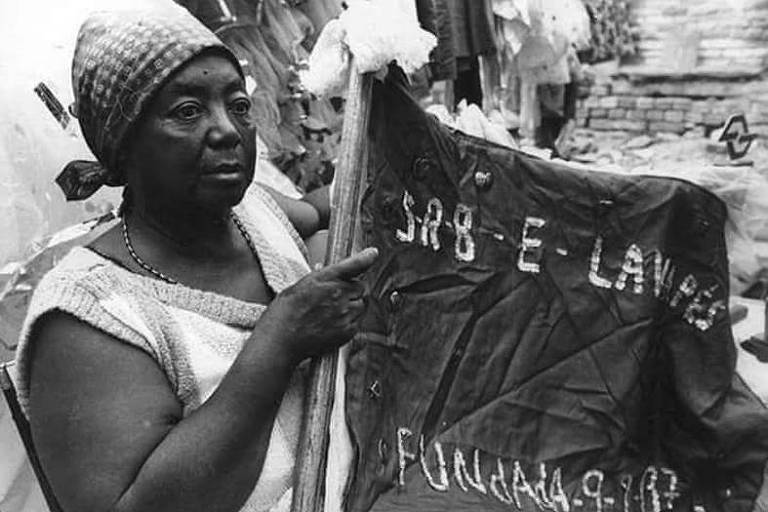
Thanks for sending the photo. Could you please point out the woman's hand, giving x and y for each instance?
(319, 312)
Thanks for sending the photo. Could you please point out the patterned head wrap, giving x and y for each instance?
(121, 60)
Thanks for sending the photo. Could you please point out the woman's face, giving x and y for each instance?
(195, 145)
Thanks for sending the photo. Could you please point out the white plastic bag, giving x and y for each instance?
(376, 34)
(37, 40)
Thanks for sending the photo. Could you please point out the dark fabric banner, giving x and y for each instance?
(541, 338)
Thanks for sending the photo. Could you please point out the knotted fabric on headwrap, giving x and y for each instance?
(121, 60)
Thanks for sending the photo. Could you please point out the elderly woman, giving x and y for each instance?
(158, 365)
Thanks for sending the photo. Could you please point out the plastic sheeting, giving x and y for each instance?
(745, 193)
(472, 121)
(375, 34)
(37, 39)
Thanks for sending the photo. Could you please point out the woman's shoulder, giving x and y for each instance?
(83, 284)
(76, 266)
(81, 267)
(83, 289)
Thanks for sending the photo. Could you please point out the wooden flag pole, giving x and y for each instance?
(309, 475)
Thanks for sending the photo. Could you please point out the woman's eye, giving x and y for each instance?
(241, 107)
(187, 112)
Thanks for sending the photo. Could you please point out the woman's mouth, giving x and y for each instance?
(224, 174)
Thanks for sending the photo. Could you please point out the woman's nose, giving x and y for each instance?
(222, 132)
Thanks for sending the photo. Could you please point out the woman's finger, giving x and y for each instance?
(351, 267)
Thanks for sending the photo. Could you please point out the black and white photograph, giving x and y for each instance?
(384, 255)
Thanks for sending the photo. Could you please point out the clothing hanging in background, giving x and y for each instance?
(465, 31)
(434, 16)
(502, 88)
(472, 24)
(468, 86)
(558, 106)
(473, 36)
(537, 41)
(552, 104)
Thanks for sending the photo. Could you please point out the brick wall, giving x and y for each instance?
(650, 105)
(725, 33)
(699, 62)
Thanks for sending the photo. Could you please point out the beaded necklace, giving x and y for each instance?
(149, 268)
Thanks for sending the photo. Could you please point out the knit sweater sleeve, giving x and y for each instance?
(91, 295)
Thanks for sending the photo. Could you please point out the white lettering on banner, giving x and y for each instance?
(460, 469)
(462, 474)
(410, 233)
(657, 489)
(672, 493)
(432, 221)
(529, 245)
(540, 490)
(632, 267)
(556, 493)
(594, 265)
(443, 485)
(660, 271)
(462, 224)
(626, 484)
(403, 456)
(592, 487)
(703, 309)
(700, 305)
(499, 480)
(464, 246)
(686, 289)
(520, 484)
(648, 483)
